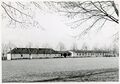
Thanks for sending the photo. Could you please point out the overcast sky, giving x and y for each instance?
(55, 31)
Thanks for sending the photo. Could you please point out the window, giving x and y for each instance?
(91, 53)
(21, 55)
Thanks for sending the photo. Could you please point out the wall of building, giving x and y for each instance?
(88, 54)
(33, 56)
(8, 56)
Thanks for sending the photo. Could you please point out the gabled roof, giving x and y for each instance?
(33, 51)
(62, 52)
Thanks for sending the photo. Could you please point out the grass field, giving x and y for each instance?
(61, 69)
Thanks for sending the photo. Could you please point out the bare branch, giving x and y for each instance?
(115, 8)
(102, 25)
(10, 15)
(16, 9)
(102, 7)
(106, 14)
(89, 28)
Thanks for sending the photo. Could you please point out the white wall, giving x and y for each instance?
(8, 56)
(34, 56)
(73, 54)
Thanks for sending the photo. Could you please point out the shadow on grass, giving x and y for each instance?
(99, 75)
(86, 76)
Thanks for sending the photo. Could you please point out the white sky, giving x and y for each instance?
(56, 31)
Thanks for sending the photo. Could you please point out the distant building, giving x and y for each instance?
(91, 53)
(36, 53)
(32, 53)
(65, 53)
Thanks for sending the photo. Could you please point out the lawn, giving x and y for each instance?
(61, 69)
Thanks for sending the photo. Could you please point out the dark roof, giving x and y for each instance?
(90, 51)
(33, 51)
(62, 52)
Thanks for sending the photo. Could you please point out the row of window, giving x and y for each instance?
(92, 53)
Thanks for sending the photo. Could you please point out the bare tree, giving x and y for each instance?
(115, 47)
(29, 45)
(7, 47)
(20, 14)
(46, 45)
(4, 49)
(82, 12)
(11, 46)
(36, 46)
(95, 48)
(74, 46)
(61, 46)
(84, 46)
(97, 12)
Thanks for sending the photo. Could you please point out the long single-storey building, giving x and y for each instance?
(91, 53)
(36, 53)
(32, 53)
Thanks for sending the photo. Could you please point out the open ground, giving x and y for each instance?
(61, 69)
